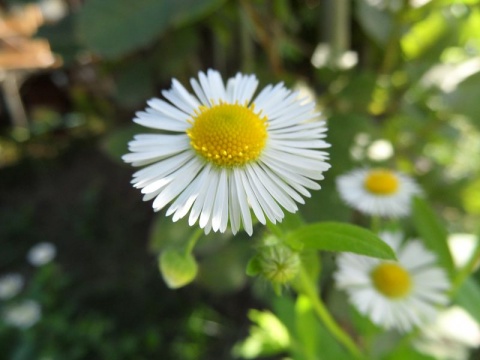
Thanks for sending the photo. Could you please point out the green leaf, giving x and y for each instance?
(468, 297)
(317, 342)
(177, 267)
(432, 232)
(333, 236)
(307, 327)
(113, 28)
(375, 22)
(268, 336)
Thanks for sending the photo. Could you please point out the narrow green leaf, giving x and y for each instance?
(333, 236)
(432, 232)
(468, 297)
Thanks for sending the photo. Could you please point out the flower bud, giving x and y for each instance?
(177, 267)
(278, 263)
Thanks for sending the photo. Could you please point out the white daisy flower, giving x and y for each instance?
(223, 151)
(378, 191)
(23, 315)
(11, 285)
(41, 253)
(395, 294)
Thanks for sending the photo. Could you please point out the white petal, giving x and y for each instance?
(161, 123)
(220, 207)
(268, 204)
(164, 108)
(238, 192)
(242, 182)
(182, 178)
(206, 214)
(202, 192)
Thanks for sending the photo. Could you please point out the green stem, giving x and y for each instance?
(309, 289)
(375, 224)
(193, 240)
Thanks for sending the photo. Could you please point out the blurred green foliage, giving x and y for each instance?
(402, 71)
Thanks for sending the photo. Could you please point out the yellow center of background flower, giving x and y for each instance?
(381, 182)
(391, 280)
(228, 134)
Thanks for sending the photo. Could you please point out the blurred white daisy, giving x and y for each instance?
(378, 191)
(22, 315)
(452, 335)
(10, 285)
(223, 151)
(395, 294)
(41, 253)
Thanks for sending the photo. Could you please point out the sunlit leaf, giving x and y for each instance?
(332, 236)
(268, 336)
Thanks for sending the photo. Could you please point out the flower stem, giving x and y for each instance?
(376, 224)
(309, 289)
(193, 240)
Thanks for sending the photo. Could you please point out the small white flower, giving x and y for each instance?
(222, 152)
(10, 285)
(22, 315)
(451, 336)
(379, 191)
(41, 254)
(395, 294)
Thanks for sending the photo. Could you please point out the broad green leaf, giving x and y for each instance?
(177, 268)
(113, 28)
(432, 232)
(333, 236)
(468, 297)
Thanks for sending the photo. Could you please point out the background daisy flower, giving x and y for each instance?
(222, 152)
(378, 191)
(399, 295)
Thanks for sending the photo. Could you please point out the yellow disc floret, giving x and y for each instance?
(392, 280)
(381, 182)
(228, 134)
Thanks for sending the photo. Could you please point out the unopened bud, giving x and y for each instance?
(278, 263)
(177, 267)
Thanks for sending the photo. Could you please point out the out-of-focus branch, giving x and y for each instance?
(266, 39)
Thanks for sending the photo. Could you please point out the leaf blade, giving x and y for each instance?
(334, 236)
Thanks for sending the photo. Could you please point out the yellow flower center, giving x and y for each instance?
(228, 134)
(391, 280)
(381, 182)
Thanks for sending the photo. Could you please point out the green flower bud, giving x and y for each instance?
(177, 268)
(278, 263)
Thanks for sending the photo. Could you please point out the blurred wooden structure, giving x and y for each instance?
(20, 55)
